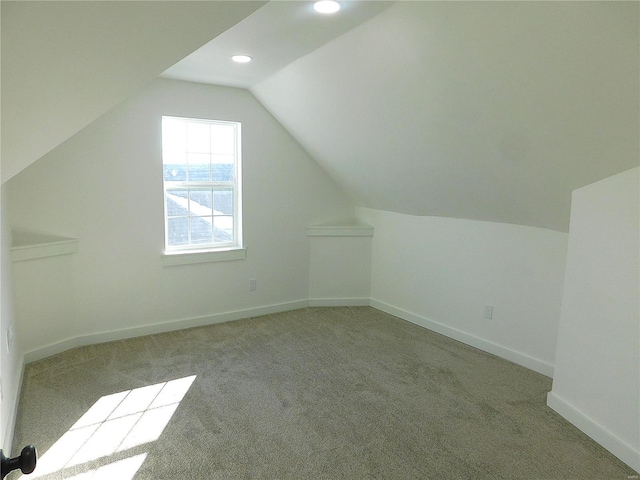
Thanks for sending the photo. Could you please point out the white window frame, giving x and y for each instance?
(209, 252)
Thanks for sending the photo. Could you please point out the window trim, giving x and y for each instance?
(204, 253)
(192, 257)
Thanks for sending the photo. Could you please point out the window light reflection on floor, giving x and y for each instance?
(120, 470)
(115, 423)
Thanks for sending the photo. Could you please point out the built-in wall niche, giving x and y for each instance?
(33, 245)
(340, 264)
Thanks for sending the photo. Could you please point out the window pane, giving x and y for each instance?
(222, 168)
(198, 137)
(177, 203)
(178, 231)
(174, 147)
(198, 167)
(200, 229)
(223, 202)
(176, 171)
(223, 139)
(223, 229)
(205, 152)
(200, 202)
(174, 136)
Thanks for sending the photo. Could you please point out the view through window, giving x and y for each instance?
(201, 171)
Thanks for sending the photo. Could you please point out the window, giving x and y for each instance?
(202, 198)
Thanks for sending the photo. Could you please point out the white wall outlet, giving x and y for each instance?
(488, 312)
(253, 284)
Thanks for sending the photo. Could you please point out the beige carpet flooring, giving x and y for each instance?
(317, 393)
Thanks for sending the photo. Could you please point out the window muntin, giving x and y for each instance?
(201, 175)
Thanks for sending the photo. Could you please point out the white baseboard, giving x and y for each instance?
(513, 356)
(609, 441)
(503, 352)
(339, 302)
(597, 432)
(111, 336)
(51, 349)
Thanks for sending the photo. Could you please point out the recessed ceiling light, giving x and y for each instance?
(241, 58)
(326, 6)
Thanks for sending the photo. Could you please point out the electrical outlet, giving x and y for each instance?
(253, 284)
(488, 312)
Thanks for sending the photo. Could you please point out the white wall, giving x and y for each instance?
(104, 187)
(340, 270)
(10, 359)
(44, 299)
(597, 376)
(440, 273)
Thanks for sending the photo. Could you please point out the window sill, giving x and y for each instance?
(170, 259)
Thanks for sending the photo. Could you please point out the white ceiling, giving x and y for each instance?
(491, 111)
(275, 35)
(66, 63)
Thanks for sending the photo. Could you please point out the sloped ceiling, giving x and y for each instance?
(66, 63)
(276, 34)
(491, 111)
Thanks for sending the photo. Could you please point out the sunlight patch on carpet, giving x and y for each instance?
(120, 470)
(115, 423)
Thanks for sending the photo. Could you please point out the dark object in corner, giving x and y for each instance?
(26, 462)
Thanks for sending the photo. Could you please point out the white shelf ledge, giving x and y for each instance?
(340, 231)
(29, 246)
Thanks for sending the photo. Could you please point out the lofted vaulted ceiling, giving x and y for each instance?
(66, 63)
(276, 35)
(491, 111)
